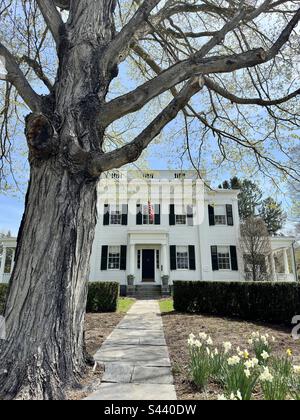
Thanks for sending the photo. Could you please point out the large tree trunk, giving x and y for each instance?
(45, 311)
(46, 307)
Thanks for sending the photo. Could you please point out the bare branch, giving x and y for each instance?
(181, 71)
(211, 84)
(52, 18)
(132, 151)
(16, 77)
(123, 39)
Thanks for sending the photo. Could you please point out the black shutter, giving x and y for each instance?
(139, 259)
(190, 216)
(157, 214)
(173, 262)
(192, 257)
(229, 212)
(139, 214)
(172, 215)
(106, 215)
(104, 258)
(211, 213)
(123, 260)
(234, 260)
(214, 258)
(124, 214)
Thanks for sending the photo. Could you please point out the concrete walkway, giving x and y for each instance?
(136, 358)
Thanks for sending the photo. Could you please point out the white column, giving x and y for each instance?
(132, 260)
(165, 260)
(2, 264)
(12, 261)
(286, 262)
(273, 266)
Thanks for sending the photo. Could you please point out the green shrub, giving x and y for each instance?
(255, 301)
(103, 297)
(3, 294)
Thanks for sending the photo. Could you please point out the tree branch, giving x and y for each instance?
(132, 151)
(211, 84)
(17, 78)
(124, 37)
(133, 101)
(52, 18)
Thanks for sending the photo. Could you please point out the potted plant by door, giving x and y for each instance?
(130, 280)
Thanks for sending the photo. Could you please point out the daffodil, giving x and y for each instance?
(233, 361)
(209, 341)
(247, 373)
(266, 376)
(289, 353)
(296, 370)
(227, 347)
(265, 355)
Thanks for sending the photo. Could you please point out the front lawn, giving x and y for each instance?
(178, 328)
(124, 304)
(166, 305)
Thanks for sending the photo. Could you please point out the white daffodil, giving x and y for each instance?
(198, 344)
(265, 355)
(250, 342)
(192, 336)
(227, 347)
(239, 396)
(222, 398)
(208, 351)
(233, 361)
(296, 370)
(266, 376)
(203, 336)
(209, 341)
(247, 373)
(216, 352)
(255, 362)
(248, 364)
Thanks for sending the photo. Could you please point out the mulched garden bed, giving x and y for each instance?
(178, 326)
(97, 329)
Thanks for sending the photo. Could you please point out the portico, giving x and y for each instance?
(148, 255)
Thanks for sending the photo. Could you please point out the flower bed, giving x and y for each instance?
(241, 373)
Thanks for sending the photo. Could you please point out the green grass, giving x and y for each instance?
(166, 305)
(124, 304)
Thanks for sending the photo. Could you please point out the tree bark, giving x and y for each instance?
(45, 311)
(44, 350)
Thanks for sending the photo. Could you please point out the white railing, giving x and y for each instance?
(4, 278)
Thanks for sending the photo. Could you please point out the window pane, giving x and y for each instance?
(220, 215)
(182, 257)
(115, 215)
(114, 258)
(180, 219)
(224, 258)
(8, 260)
(147, 220)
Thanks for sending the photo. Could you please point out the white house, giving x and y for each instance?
(151, 235)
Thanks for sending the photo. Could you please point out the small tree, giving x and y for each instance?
(273, 215)
(256, 247)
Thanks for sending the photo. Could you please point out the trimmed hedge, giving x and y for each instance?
(103, 297)
(253, 301)
(3, 294)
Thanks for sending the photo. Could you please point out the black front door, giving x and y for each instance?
(148, 265)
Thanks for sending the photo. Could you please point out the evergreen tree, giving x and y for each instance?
(273, 215)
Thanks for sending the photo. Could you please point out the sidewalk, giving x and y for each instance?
(136, 359)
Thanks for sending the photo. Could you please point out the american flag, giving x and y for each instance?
(151, 212)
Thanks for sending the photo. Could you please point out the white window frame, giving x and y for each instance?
(146, 215)
(182, 250)
(112, 256)
(220, 213)
(224, 257)
(116, 212)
